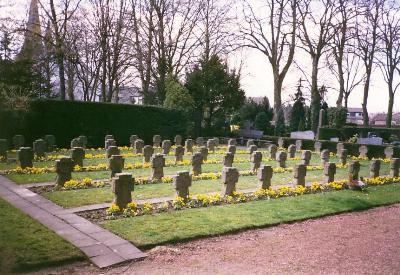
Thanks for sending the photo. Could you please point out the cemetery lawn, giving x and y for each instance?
(81, 197)
(27, 245)
(152, 230)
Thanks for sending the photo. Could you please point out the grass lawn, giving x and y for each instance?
(76, 198)
(27, 245)
(175, 226)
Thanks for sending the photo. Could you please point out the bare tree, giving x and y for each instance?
(142, 26)
(367, 39)
(344, 23)
(273, 32)
(388, 55)
(316, 32)
(59, 22)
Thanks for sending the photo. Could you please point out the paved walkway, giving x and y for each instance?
(102, 247)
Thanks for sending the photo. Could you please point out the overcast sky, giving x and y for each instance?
(257, 76)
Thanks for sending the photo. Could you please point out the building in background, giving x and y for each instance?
(380, 119)
(354, 115)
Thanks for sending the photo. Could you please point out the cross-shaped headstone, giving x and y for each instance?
(179, 152)
(148, 151)
(255, 159)
(189, 145)
(139, 144)
(112, 150)
(324, 156)
(181, 182)
(64, 167)
(196, 161)
(264, 176)
(343, 156)
(227, 159)
(374, 167)
(272, 151)
(292, 151)
(394, 167)
(329, 172)
(306, 157)
(230, 177)
(25, 157)
(39, 147)
(281, 157)
(122, 185)
(354, 169)
(178, 140)
(77, 156)
(116, 164)
(299, 174)
(204, 152)
(157, 163)
(166, 146)
(156, 141)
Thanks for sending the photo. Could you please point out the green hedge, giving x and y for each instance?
(374, 151)
(69, 119)
(325, 133)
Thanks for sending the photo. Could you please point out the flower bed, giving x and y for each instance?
(133, 209)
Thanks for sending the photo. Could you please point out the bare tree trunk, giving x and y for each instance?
(390, 106)
(365, 100)
(315, 97)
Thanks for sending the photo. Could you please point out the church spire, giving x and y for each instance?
(32, 47)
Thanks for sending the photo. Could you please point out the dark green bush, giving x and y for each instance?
(69, 119)
(325, 133)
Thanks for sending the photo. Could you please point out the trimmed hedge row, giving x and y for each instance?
(326, 133)
(68, 119)
(374, 151)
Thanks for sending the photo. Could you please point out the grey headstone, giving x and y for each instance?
(122, 185)
(200, 141)
(394, 167)
(108, 143)
(157, 163)
(40, 148)
(64, 167)
(329, 172)
(299, 144)
(306, 157)
(299, 174)
(76, 142)
(354, 169)
(230, 177)
(281, 157)
(255, 159)
(112, 150)
(250, 142)
(281, 142)
(189, 145)
(178, 140)
(156, 141)
(138, 146)
(204, 152)
(166, 146)
(317, 146)
(77, 156)
(272, 151)
(292, 151)
(25, 157)
(374, 168)
(324, 156)
(84, 141)
(196, 161)
(181, 182)
(50, 142)
(264, 176)
(232, 141)
(228, 159)
(148, 151)
(116, 164)
(132, 140)
(179, 151)
(389, 152)
(343, 156)
(210, 145)
(232, 149)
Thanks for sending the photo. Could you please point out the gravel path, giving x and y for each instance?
(355, 243)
